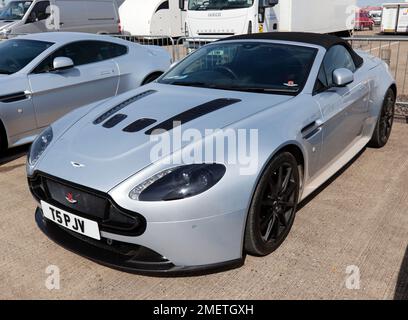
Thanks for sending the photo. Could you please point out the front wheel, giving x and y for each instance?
(273, 207)
(385, 122)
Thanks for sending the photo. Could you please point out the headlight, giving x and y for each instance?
(179, 183)
(39, 145)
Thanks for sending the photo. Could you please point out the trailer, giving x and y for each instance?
(395, 18)
(222, 18)
(152, 18)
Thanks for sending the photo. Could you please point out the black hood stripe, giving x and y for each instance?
(139, 125)
(122, 105)
(192, 114)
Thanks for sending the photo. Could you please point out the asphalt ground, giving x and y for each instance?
(349, 241)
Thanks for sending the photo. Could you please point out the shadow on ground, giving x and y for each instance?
(401, 289)
(12, 154)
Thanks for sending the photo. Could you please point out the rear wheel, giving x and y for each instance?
(385, 121)
(273, 207)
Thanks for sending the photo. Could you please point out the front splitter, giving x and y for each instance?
(120, 261)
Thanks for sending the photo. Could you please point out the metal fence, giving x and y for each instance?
(394, 51)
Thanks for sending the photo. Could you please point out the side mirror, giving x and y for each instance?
(62, 63)
(268, 3)
(182, 5)
(342, 77)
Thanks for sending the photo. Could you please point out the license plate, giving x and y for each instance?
(71, 221)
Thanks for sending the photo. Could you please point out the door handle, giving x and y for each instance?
(106, 72)
(312, 129)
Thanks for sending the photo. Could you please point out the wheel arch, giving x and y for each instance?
(294, 149)
(393, 87)
(153, 74)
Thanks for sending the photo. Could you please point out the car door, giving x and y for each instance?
(94, 77)
(344, 109)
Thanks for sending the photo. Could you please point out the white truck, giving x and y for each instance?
(152, 18)
(222, 18)
(395, 18)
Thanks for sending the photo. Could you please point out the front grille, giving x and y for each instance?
(87, 203)
(84, 202)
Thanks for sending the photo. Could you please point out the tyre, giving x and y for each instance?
(385, 122)
(273, 206)
(3, 138)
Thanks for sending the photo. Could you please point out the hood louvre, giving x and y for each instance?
(122, 105)
(192, 114)
(114, 120)
(139, 125)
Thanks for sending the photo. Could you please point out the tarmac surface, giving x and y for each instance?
(349, 241)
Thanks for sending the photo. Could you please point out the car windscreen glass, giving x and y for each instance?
(219, 4)
(15, 10)
(15, 54)
(245, 66)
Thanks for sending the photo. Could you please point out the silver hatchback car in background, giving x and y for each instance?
(44, 76)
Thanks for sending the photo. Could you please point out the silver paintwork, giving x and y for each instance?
(53, 94)
(343, 77)
(209, 228)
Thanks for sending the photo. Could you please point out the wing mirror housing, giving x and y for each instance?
(342, 77)
(62, 63)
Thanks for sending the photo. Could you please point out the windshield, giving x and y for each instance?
(219, 4)
(249, 66)
(15, 10)
(16, 54)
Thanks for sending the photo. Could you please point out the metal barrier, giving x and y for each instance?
(166, 42)
(186, 45)
(394, 51)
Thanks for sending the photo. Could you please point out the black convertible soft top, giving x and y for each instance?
(324, 40)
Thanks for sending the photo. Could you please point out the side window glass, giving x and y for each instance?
(47, 64)
(337, 57)
(40, 12)
(83, 52)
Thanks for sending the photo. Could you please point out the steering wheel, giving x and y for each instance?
(227, 71)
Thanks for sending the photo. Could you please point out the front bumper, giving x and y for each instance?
(124, 256)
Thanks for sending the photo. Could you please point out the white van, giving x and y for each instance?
(152, 18)
(32, 16)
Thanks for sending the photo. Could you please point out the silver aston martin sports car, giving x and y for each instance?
(44, 76)
(209, 162)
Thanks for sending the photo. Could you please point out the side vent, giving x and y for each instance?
(139, 125)
(14, 97)
(192, 114)
(124, 104)
(114, 120)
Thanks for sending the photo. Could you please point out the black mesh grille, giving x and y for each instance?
(77, 200)
(87, 203)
